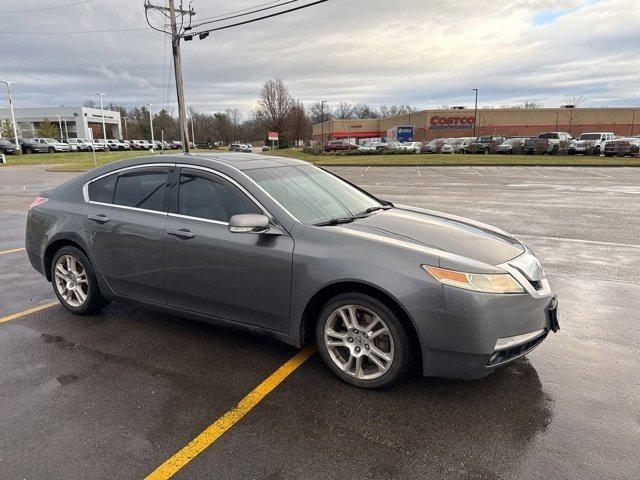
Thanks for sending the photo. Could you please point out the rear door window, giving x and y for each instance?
(101, 190)
(142, 188)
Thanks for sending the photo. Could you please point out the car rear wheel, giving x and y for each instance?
(74, 282)
(52, 150)
(596, 151)
(362, 341)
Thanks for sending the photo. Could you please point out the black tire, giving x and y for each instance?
(486, 151)
(596, 151)
(28, 150)
(554, 150)
(401, 344)
(52, 150)
(94, 301)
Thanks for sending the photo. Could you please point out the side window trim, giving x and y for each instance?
(171, 170)
(175, 187)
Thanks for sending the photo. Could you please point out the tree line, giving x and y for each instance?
(276, 110)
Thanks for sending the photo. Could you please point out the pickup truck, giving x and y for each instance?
(590, 143)
(551, 143)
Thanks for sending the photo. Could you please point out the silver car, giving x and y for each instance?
(53, 145)
(282, 247)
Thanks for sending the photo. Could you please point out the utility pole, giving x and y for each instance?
(104, 128)
(126, 135)
(153, 142)
(13, 117)
(60, 126)
(177, 67)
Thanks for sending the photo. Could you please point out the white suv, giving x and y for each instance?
(590, 143)
(54, 145)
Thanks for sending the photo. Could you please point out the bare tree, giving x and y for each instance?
(299, 125)
(386, 111)
(343, 111)
(320, 113)
(362, 111)
(574, 100)
(89, 103)
(274, 105)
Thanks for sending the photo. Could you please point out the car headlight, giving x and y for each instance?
(478, 282)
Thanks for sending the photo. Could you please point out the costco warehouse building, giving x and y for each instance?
(461, 122)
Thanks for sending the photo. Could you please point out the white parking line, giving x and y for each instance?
(533, 171)
(580, 240)
(419, 171)
(598, 173)
(476, 171)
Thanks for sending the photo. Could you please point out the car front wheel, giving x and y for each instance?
(362, 341)
(74, 282)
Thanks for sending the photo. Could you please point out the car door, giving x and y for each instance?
(124, 225)
(240, 277)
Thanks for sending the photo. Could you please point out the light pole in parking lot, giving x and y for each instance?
(13, 117)
(322, 122)
(153, 143)
(475, 113)
(104, 128)
(60, 126)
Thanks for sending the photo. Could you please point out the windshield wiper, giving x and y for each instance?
(334, 221)
(371, 210)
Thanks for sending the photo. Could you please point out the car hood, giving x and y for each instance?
(447, 233)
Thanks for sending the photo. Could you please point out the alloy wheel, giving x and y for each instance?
(71, 281)
(359, 342)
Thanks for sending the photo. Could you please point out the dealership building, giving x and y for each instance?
(74, 122)
(463, 122)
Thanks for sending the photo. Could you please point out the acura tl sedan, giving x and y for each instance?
(287, 249)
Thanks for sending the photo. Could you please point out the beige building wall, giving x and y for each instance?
(429, 124)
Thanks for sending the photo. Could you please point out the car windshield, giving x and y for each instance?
(312, 195)
(548, 135)
(50, 140)
(590, 136)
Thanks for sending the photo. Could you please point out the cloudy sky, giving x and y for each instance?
(427, 53)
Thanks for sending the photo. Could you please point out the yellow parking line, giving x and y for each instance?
(14, 316)
(12, 251)
(214, 431)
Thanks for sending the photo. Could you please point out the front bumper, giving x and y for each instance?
(461, 341)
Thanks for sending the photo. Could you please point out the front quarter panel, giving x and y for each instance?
(323, 257)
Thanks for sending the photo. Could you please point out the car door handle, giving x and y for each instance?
(99, 218)
(182, 233)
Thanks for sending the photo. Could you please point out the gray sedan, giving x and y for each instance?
(284, 248)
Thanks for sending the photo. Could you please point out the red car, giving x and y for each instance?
(339, 145)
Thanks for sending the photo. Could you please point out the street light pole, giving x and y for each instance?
(60, 126)
(153, 142)
(193, 134)
(322, 122)
(13, 117)
(104, 128)
(126, 135)
(475, 114)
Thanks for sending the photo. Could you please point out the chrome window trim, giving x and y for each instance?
(125, 207)
(85, 187)
(199, 219)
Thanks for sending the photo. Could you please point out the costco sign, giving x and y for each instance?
(451, 123)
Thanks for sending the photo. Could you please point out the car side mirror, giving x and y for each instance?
(249, 223)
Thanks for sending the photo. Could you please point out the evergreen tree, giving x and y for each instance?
(48, 129)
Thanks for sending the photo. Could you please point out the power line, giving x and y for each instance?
(241, 10)
(48, 8)
(245, 14)
(76, 32)
(204, 33)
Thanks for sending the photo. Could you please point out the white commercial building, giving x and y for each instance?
(75, 121)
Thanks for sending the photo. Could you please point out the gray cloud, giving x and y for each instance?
(424, 52)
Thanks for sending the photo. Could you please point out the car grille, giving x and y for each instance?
(509, 354)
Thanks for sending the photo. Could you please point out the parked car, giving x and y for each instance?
(512, 146)
(590, 143)
(373, 146)
(434, 146)
(78, 144)
(114, 144)
(339, 146)
(485, 144)
(551, 143)
(176, 144)
(7, 147)
(622, 147)
(239, 147)
(140, 145)
(380, 285)
(410, 146)
(31, 145)
(456, 145)
(53, 145)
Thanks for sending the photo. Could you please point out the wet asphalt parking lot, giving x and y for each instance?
(114, 395)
